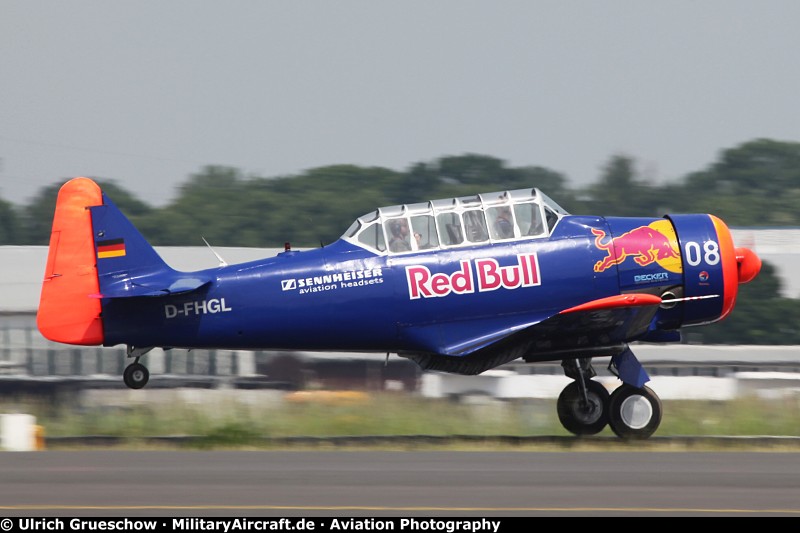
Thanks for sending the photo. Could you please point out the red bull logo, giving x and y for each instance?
(482, 276)
(654, 243)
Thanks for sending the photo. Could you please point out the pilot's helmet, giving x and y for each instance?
(396, 228)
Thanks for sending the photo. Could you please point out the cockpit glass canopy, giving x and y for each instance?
(453, 222)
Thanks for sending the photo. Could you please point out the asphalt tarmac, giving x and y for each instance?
(397, 484)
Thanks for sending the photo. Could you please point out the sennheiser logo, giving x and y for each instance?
(347, 279)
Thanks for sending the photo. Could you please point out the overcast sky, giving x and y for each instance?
(148, 92)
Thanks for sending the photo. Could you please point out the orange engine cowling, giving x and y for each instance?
(713, 268)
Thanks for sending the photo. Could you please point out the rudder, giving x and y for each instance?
(69, 311)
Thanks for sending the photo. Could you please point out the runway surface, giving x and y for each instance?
(397, 484)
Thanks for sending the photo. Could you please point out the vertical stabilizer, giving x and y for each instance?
(69, 310)
(124, 257)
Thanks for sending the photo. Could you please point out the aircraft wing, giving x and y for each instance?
(595, 325)
(589, 329)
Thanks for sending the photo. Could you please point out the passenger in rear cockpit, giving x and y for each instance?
(502, 224)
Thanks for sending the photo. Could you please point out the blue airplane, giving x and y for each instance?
(458, 285)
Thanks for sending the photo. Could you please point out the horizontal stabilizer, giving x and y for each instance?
(126, 289)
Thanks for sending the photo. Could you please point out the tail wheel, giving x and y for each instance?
(583, 417)
(634, 413)
(136, 375)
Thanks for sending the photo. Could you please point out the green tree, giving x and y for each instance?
(470, 174)
(754, 184)
(621, 191)
(10, 227)
(207, 206)
(472, 169)
(319, 205)
(38, 216)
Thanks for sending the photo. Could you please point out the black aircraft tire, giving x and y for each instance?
(577, 418)
(136, 376)
(633, 413)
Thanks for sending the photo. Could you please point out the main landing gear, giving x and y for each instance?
(136, 374)
(585, 407)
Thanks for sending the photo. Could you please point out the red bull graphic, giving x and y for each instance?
(485, 275)
(654, 243)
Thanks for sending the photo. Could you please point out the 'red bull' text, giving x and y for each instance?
(480, 275)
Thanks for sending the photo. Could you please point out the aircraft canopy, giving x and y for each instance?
(454, 222)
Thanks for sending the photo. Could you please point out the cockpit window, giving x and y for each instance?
(529, 219)
(552, 218)
(475, 225)
(501, 222)
(484, 218)
(353, 229)
(450, 228)
(424, 230)
(361, 222)
(372, 236)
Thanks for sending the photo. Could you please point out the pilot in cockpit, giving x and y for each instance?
(399, 241)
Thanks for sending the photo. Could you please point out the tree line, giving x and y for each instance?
(755, 184)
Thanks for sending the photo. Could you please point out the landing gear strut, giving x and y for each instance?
(136, 374)
(582, 405)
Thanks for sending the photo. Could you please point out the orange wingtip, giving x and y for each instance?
(67, 312)
(620, 300)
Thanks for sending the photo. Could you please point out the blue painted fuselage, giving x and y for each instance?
(343, 297)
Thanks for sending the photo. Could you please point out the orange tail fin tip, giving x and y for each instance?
(67, 312)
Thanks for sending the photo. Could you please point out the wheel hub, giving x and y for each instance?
(636, 411)
(588, 412)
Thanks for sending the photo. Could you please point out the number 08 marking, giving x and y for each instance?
(709, 253)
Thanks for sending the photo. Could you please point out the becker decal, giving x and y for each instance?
(480, 275)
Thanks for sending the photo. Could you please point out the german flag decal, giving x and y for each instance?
(110, 248)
